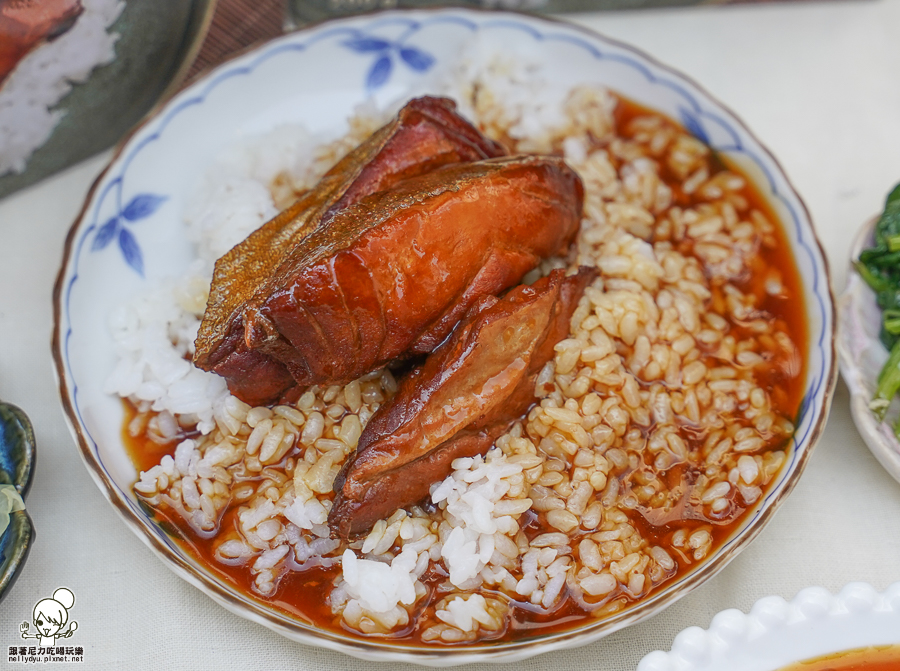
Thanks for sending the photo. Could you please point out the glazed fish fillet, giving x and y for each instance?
(393, 274)
(465, 395)
(426, 134)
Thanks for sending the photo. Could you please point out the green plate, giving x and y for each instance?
(157, 43)
(17, 457)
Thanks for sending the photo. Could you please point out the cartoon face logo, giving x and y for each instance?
(50, 616)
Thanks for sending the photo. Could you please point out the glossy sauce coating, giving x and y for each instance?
(392, 275)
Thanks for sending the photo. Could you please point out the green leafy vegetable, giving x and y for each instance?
(879, 266)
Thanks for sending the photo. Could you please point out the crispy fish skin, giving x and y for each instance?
(465, 395)
(393, 274)
(426, 134)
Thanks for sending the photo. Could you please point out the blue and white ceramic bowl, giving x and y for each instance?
(130, 232)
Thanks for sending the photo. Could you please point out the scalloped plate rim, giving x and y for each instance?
(814, 623)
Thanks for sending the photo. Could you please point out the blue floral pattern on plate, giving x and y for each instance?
(140, 207)
(384, 52)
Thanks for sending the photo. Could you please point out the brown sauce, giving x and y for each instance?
(786, 309)
(303, 594)
(143, 452)
(874, 658)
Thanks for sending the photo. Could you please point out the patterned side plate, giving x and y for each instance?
(17, 457)
(130, 232)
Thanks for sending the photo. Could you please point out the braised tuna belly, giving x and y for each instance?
(426, 134)
(465, 395)
(394, 274)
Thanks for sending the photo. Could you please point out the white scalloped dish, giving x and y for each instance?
(862, 356)
(776, 632)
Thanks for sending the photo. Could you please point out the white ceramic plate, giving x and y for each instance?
(130, 232)
(776, 633)
(862, 356)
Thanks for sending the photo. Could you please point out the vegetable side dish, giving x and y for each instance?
(879, 266)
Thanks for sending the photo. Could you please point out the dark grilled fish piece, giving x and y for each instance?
(393, 274)
(426, 134)
(465, 395)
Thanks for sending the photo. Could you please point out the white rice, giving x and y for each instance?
(469, 498)
(46, 75)
(153, 334)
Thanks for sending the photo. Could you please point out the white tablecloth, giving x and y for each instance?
(819, 83)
